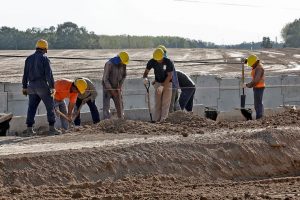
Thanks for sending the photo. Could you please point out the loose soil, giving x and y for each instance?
(124, 159)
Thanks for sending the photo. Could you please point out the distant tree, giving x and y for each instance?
(291, 34)
(70, 36)
(266, 43)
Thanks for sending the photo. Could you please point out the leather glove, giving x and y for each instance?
(160, 89)
(146, 81)
(25, 91)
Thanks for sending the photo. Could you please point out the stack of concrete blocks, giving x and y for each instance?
(222, 94)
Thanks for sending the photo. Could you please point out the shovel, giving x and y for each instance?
(247, 113)
(71, 123)
(147, 86)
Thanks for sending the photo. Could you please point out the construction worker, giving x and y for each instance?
(65, 88)
(187, 87)
(163, 69)
(175, 84)
(257, 83)
(113, 78)
(38, 84)
(88, 97)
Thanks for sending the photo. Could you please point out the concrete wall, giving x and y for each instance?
(220, 93)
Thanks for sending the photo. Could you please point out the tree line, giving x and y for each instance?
(70, 36)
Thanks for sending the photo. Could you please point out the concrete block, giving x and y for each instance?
(2, 87)
(138, 114)
(3, 102)
(234, 115)
(229, 94)
(207, 91)
(14, 92)
(18, 108)
(18, 124)
(199, 110)
(291, 90)
(273, 95)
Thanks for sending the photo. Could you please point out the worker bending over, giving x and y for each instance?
(38, 84)
(257, 83)
(88, 97)
(65, 88)
(113, 78)
(163, 69)
(187, 87)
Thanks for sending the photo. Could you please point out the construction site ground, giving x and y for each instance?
(277, 62)
(185, 157)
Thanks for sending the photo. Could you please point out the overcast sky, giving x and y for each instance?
(218, 21)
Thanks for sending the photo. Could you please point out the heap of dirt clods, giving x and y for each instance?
(181, 122)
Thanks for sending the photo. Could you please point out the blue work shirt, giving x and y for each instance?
(37, 71)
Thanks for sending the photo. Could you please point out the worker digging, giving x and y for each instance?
(65, 88)
(113, 78)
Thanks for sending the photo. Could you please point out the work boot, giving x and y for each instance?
(29, 132)
(53, 131)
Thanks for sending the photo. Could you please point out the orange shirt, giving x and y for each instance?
(62, 90)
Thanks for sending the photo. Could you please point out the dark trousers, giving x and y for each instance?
(186, 98)
(93, 109)
(258, 102)
(35, 97)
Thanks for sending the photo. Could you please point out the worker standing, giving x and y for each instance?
(175, 84)
(187, 87)
(163, 69)
(257, 83)
(65, 88)
(38, 84)
(88, 97)
(113, 78)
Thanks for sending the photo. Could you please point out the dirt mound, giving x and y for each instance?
(157, 168)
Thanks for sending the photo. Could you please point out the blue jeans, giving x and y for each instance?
(186, 99)
(61, 105)
(258, 102)
(93, 109)
(36, 94)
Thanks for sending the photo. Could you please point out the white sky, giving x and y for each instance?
(218, 21)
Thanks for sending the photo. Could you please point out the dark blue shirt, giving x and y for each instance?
(37, 68)
(161, 69)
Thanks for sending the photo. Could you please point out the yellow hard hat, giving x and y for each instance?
(163, 48)
(251, 60)
(124, 57)
(42, 44)
(81, 85)
(158, 54)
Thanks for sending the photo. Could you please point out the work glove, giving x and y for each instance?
(146, 81)
(160, 89)
(25, 91)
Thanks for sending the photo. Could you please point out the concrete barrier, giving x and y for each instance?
(211, 91)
